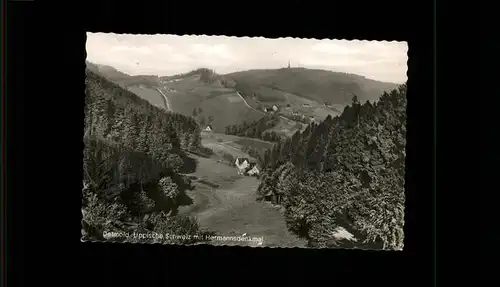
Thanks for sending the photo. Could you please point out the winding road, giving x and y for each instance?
(167, 101)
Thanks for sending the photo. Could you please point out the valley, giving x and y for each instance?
(302, 95)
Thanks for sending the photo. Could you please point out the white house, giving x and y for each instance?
(208, 128)
(253, 169)
(275, 108)
(242, 164)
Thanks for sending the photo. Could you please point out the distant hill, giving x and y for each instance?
(302, 93)
(316, 85)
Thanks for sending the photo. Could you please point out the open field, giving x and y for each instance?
(149, 94)
(212, 140)
(232, 209)
(253, 143)
(316, 158)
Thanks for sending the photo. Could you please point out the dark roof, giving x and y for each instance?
(242, 160)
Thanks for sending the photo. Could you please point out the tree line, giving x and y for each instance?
(256, 129)
(133, 156)
(346, 171)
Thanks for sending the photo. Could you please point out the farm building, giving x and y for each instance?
(275, 108)
(242, 164)
(252, 169)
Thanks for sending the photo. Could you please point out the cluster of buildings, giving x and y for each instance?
(245, 167)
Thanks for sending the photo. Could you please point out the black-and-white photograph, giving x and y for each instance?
(242, 141)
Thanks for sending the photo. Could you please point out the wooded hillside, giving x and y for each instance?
(133, 155)
(347, 171)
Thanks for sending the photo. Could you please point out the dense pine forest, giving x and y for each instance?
(347, 172)
(256, 129)
(133, 159)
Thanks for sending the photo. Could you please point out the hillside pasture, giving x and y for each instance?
(234, 99)
(221, 146)
(236, 141)
(310, 108)
(231, 209)
(268, 95)
(208, 91)
(217, 102)
(320, 113)
(183, 102)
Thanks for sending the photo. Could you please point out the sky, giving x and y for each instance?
(166, 55)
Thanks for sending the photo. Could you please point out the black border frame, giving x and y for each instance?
(56, 43)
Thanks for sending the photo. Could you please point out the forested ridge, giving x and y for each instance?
(346, 171)
(121, 78)
(133, 156)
